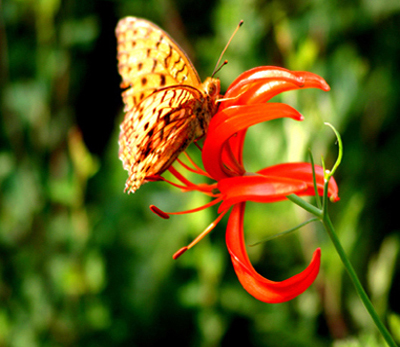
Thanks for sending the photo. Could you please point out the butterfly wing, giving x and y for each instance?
(149, 59)
(154, 134)
(164, 103)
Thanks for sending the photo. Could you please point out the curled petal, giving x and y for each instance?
(257, 188)
(261, 73)
(264, 91)
(303, 172)
(261, 84)
(232, 120)
(256, 285)
(311, 80)
(241, 88)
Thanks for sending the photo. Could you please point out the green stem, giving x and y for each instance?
(317, 197)
(305, 205)
(359, 288)
(322, 214)
(324, 218)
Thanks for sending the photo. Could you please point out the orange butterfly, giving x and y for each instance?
(167, 107)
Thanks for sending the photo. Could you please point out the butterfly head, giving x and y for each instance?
(212, 89)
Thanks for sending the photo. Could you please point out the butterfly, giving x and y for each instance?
(166, 105)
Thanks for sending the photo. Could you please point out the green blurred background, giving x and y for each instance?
(83, 264)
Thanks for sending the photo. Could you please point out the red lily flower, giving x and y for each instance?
(244, 105)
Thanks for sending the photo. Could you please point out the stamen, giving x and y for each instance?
(197, 209)
(180, 186)
(207, 189)
(200, 170)
(179, 176)
(159, 212)
(204, 188)
(200, 237)
(187, 167)
(166, 215)
(207, 230)
(198, 146)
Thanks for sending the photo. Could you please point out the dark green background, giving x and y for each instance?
(83, 264)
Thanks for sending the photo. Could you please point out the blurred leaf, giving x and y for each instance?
(366, 340)
(85, 164)
(394, 325)
(81, 32)
(6, 165)
(95, 272)
(381, 271)
(4, 327)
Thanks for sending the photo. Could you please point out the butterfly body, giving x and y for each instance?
(167, 107)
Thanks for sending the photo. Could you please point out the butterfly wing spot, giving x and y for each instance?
(154, 65)
(162, 80)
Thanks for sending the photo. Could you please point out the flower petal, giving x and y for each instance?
(257, 188)
(311, 80)
(261, 84)
(256, 285)
(232, 120)
(259, 76)
(303, 172)
(260, 73)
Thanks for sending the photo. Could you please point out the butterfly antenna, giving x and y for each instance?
(216, 69)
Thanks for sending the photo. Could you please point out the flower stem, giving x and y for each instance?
(323, 216)
(305, 205)
(359, 288)
(325, 220)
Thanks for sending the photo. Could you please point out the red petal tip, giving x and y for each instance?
(334, 198)
(325, 86)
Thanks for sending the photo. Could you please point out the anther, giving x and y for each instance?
(179, 253)
(159, 212)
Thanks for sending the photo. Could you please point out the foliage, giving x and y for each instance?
(82, 264)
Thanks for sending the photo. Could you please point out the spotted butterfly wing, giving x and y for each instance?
(167, 107)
